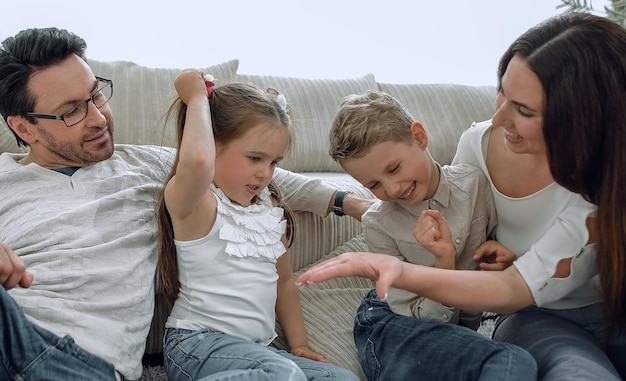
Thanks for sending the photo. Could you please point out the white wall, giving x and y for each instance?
(399, 41)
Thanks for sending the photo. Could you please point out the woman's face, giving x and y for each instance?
(520, 109)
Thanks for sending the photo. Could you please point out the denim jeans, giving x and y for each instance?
(211, 355)
(395, 347)
(567, 344)
(29, 352)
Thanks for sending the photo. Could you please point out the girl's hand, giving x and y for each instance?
(306, 352)
(190, 84)
(433, 233)
(493, 256)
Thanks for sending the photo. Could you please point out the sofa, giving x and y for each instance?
(140, 101)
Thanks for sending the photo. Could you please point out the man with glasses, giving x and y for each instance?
(77, 222)
(78, 113)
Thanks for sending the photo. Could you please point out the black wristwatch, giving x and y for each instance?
(338, 205)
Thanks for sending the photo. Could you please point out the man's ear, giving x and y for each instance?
(22, 127)
(419, 134)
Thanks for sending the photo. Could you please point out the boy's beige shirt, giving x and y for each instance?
(465, 200)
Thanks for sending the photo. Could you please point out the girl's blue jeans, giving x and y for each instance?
(395, 347)
(211, 355)
(29, 352)
(567, 344)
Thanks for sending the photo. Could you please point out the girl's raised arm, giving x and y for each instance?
(189, 187)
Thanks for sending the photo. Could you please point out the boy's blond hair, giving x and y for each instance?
(365, 120)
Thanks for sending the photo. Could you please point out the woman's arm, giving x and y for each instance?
(496, 291)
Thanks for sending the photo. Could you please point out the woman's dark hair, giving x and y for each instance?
(22, 55)
(580, 59)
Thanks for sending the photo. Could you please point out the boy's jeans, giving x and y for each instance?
(29, 352)
(395, 347)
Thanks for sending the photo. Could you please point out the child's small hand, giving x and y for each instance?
(433, 233)
(190, 84)
(306, 352)
(493, 256)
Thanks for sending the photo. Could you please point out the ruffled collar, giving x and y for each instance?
(252, 231)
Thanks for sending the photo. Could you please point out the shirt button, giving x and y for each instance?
(457, 241)
(433, 203)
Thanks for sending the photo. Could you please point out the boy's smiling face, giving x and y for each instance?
(397, 171)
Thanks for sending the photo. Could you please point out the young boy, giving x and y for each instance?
(377, 142)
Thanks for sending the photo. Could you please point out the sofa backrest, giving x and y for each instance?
(142, 96)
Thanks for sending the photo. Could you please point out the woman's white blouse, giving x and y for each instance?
(541, 229)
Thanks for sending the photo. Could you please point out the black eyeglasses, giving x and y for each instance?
(79, 112)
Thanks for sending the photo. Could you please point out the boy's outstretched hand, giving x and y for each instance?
(382, 269)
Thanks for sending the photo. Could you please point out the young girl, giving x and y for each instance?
(222, 241)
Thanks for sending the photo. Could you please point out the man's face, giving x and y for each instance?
(57, 90)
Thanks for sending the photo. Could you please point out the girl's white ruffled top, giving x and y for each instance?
(256, 229)
(228, 278)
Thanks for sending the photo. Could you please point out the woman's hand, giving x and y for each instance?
(382, 269)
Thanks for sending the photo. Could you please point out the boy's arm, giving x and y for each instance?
(404, 302)
(410, 304)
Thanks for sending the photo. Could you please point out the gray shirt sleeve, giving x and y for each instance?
(303, 193)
